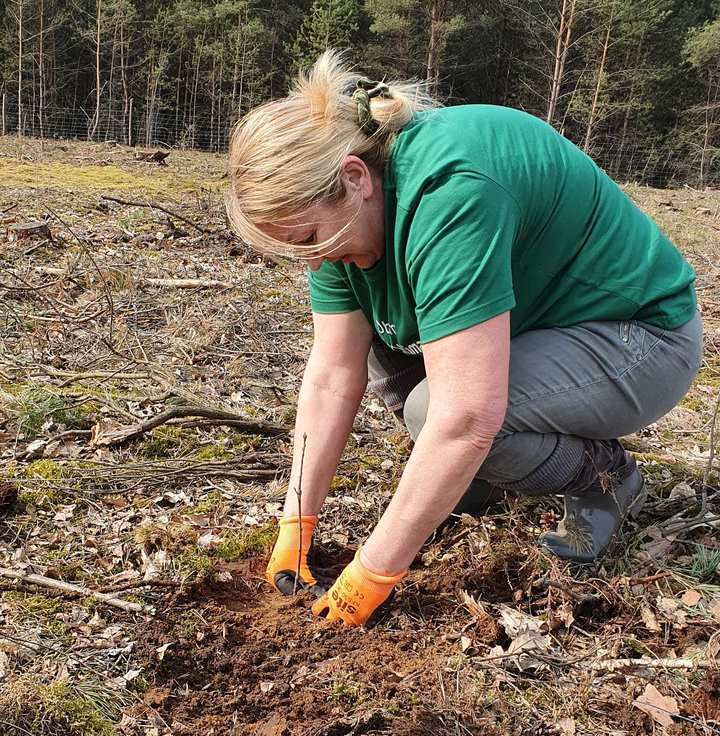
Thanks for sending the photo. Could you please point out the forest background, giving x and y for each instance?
(633, 82)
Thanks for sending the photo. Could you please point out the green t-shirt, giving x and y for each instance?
(489, 209)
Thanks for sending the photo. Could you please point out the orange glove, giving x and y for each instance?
(356, 594)
(283, 565)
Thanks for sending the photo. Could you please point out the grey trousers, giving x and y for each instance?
(595, 380)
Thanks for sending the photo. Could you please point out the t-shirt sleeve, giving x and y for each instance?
(459, 254)
(330, 291)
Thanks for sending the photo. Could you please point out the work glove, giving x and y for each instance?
(283, 565)
(356, 594)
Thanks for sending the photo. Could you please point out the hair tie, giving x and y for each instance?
(364, 91)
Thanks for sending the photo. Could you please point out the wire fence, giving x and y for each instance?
(660, 166)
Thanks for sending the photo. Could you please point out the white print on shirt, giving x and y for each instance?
(386, 328)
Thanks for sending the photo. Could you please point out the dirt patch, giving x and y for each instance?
(241, 654)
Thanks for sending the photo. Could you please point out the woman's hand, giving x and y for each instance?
(292, 546)
(356, 594)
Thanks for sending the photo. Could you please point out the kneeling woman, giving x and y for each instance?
(514, 307)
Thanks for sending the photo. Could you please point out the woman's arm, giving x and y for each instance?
(468, 383)
(332, 388)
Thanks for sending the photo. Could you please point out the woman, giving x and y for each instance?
(520, 313)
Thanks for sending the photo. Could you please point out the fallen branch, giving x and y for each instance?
(187, 283)
(170, 283)
(152, 206)
(109, 438)
(71, 588)
(661, 663)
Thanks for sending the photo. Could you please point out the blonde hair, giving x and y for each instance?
(286, 155)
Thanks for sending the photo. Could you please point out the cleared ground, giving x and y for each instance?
(127, 311)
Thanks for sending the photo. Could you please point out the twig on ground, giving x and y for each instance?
(650, 578)
(71, 588)
(545, 583)
(660, 663)
(117, 437)
(298, 493)
(152, 206)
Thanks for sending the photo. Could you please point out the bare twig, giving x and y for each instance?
(117, 437)
(152, 206)
(659, 663)
(71, 588)
(298, 493)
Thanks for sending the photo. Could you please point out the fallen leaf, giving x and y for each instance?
(691, 598)
(659, 707)
(465, 643)
(714, 609)
(649, 619)
(475, 608)
(266, 686)
(682, 491)
(566, 727)
(162, 649)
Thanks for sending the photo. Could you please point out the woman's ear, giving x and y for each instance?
(357, 177)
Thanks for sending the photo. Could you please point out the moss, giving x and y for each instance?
(342, 484)
(48, 484)
(30, 605)
(348, 694)
(167, 442)
(213, 451)
(692, 404)
(46, 470)
(255, 542)
(68, 176)
(80, 709)
(210, 505)
(40, 610)
(33, 405)
(195, 565)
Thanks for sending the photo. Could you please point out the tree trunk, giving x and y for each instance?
(41, 70)
(20, 63)
(431, 74)
(706, 136)
(601, 71)
(561, 50)
(123, 77)
(96, 117)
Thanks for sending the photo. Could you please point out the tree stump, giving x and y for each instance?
(30, 230)
(155, 157)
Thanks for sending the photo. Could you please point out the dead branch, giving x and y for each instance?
(652, 662)
(120, 436)
(153, 206)
(188, 283)
(169, 283)
(71, 588)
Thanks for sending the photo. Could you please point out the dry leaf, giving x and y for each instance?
(266, 686)
(566, 727)
(649, 619)
(659, 707)
(682, 491)
(475, 608)
(691, 597)
(465, 643)
(714, 609)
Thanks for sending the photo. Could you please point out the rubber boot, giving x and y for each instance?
(595, 510)
(479, 498)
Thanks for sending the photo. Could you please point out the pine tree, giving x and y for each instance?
(329, 23)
